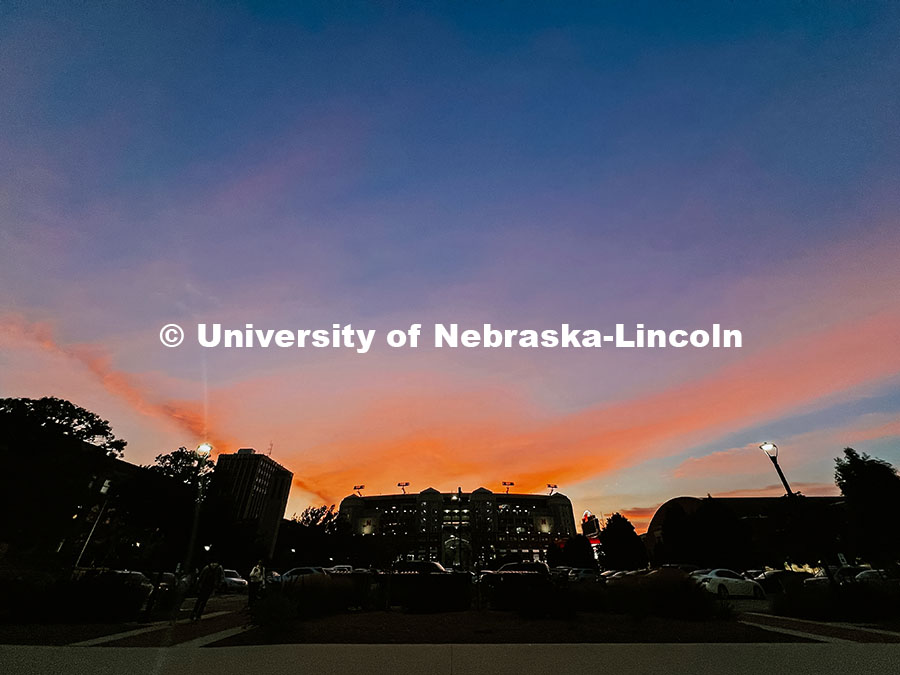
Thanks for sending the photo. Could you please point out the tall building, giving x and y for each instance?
(251, 492)
(590, 525)
(462, 529)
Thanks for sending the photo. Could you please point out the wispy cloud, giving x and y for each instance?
(185, 415)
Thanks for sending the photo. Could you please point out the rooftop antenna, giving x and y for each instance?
(507, 484)
(358, 489)
(271, 445)
(403, 486)
(552, 487)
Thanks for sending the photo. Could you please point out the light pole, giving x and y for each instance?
(103, 491)
(201, 453)
(771, 451)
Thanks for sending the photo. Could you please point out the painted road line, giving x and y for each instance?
(838, 631)
(214, 637)
(158, 625)
(796, 633)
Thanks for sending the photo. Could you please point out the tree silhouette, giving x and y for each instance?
(577, 552)
(872, 489)
(622, 547)
(317, 536)
(321, 518)
(186, 466)
(59, 416)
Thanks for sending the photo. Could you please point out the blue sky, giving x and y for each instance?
(516, 163)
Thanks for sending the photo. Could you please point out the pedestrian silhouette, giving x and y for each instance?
(210, 578)
(257, 583)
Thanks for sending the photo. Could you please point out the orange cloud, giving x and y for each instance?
(183, 414)
(456, 445)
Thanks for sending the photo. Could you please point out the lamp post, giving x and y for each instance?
(202, 452)
(771, 451)
(104, 490)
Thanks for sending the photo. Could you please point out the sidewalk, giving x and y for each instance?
(820, 630)
(583, 659)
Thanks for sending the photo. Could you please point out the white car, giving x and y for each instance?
(234, 582)
(582, 574)
(724, 583)
(293, 575)
(340, 569)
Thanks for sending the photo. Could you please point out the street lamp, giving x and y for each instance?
(507, 484)
(771, 451)
(552, 487)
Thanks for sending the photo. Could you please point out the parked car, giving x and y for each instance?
(582, 574)
(418, 567)
(725, 583)
(525, 585)
(234, 582)
(781, 581)
(535, 567)
(427, 585)
(827, 576)
(879, 581)
(339, 569)
(296, 573)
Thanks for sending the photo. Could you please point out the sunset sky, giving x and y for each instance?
(383, 164)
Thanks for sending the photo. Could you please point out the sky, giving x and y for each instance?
(296, 165)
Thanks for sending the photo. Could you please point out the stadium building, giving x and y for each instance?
(462, 529)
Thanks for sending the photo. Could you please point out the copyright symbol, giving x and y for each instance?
(171, 335)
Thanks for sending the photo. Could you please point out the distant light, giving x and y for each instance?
(769, 448)
(207, 547)
(204, 448)
(138, 544)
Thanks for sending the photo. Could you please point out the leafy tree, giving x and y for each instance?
(578, 552)
(622, 547)
(872, 489)
(317, 536)
(186, 466)
(61, 417)
(863, 477)
(322, 518)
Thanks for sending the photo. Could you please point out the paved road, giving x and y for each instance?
(227, 618)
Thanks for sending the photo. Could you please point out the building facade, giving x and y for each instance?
(746, 532)
(250, 492)
(462, 529)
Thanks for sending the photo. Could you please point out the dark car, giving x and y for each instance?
(828, 577)
(425, 585)
(418, 567)
(522, 585)
(781, 581)
(528, 567)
